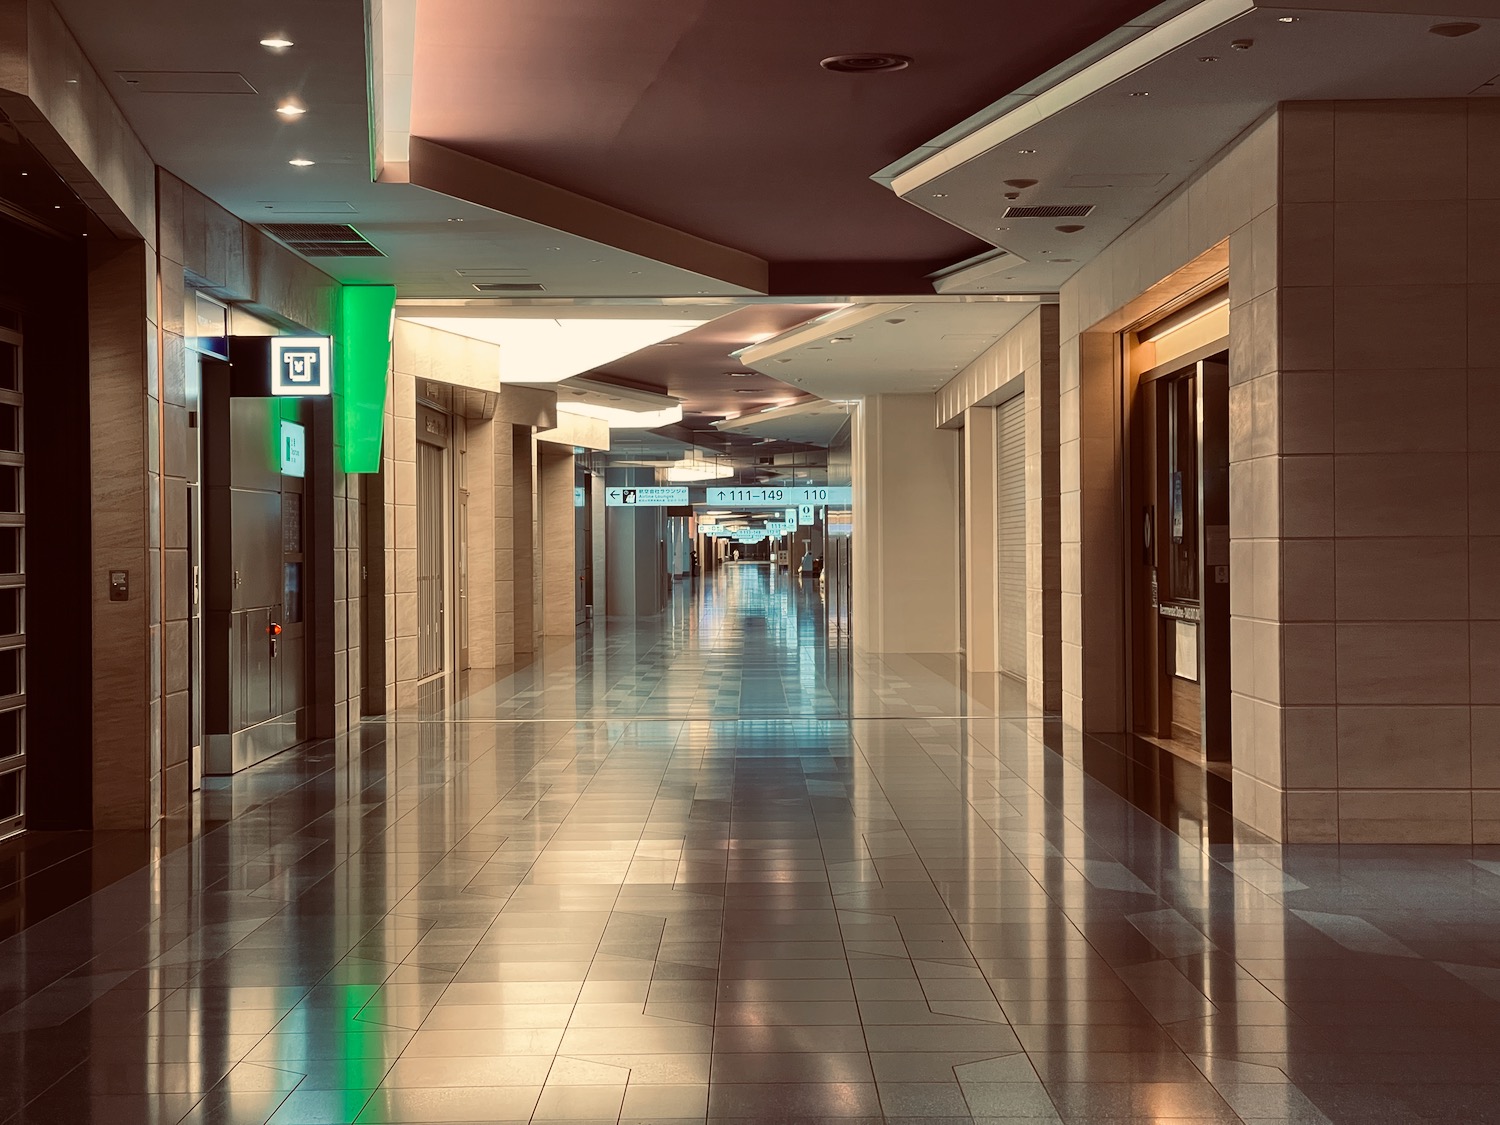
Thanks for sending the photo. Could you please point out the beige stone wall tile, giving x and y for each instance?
(1409, 579)
(1401, 494)
(1401, 411)
(1418, 663)
(1306, 324)
(1307, 496)
(1433, 241)
(1241, 578)
(1404, 747)
(1307, 153)
(1312, 817)
(1306, 412)
(1307, 587)
(1483, 237)
(1484, 578)
(1406, 150)
(1483, 321)
(1309, 746)
(1265, 593)
(1306, 244)
(1268, 663)
(1484, 733)
(1486, 817)
(1484, 494)
(1310, 671)
(1484, 409)
(1405, 816)
(1242, 657)
(1484, 148)
(1432, 318)
(1484, 662)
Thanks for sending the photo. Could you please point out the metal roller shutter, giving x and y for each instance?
(1011, 529)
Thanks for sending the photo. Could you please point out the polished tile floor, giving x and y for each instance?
(712, 869)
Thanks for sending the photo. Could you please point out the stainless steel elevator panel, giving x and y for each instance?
(265, 710)
(255, 530)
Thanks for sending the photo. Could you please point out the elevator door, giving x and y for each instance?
(1180, 576)
(1010, 523)
(431, 572)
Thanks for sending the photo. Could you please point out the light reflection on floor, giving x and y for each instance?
(711, 869)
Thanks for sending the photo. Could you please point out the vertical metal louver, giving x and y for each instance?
(12, 590)
(1010, 523)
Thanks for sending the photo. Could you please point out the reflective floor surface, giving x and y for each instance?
(753, 880)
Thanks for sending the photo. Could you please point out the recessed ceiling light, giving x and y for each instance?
(299, 162)
(455, 220)
(840, 339)
(1002, 228)
(1027, 151)
(1209, 58)
(275, 43)
(1140, 93)
(940, 195)
(290, 109)
(1453, 30)
(1288, 19)
(865, 63)
(739, 374)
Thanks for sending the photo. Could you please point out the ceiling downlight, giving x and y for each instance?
(869, 62)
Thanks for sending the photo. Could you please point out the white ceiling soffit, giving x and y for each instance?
(392, 47)
(619, 407)
(1118, 135)
(808, 423)
(887, 348)
(548, 348)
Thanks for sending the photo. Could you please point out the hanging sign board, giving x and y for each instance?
(300, 367)
(655, 496)
(780, 497)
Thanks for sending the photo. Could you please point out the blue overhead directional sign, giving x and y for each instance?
(781, 497)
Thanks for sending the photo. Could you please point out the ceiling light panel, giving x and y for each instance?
(547, 350)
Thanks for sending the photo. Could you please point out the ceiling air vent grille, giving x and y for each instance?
(1050, 211)
(323, 240)
(509, 287)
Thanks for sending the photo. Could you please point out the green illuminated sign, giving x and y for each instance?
(293, 449)
(362, 351)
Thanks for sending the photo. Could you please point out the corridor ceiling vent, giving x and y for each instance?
(538, 349)
(323, 240)
(866, 63)
(1050, 211)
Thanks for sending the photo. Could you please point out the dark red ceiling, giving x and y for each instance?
(713, 116)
